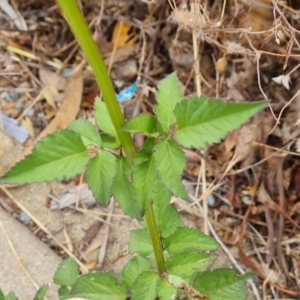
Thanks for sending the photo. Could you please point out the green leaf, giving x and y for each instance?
(11, 296)
(64, 292)
(98, 286)
(103, 119)
(168, 95)
(140, 242)
(144, 287)
(222, 284)
(144, 123)
(187, 263)
(67, 272)
(165, 291)
(144, 174)
(170, 162)
(100, 172)
(184, 239)
(166, 217)
(109, 142)
(202, 122)
(1, 295)
(87, 131)
(134, 267)
(58, 156)
(41, 293)
(123, 189)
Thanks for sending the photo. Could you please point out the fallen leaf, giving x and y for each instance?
(121, 37)
(69, 107)
(51, 78)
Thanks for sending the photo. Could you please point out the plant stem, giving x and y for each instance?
(94, 57)
(156, 242)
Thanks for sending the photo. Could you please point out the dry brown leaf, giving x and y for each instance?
(48, 77)
(121, 37)
(69, 107)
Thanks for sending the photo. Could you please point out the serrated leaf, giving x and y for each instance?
(67, 272)
(87, 131)
(103, 119)
(41, 293)
(61, 155)
(170, 162)
(100, 172)
(202, 122)
(187, 263)
(140, 242)
(98, 286)
(165, 291)
(134, 267)
(184, 239)
(168, 96)
(144, 175)
(144, 287)
(166, 217)
(222, 284)
(123, 189)
(143, 123)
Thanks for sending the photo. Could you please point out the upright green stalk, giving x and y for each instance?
(94, 57)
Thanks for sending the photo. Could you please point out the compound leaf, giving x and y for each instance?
(98, 286)
(134, 267)
(61, 155)
(123, 189)
(166, 216)
(170, 162)
(202, 122)
(184, 239)
(187, 263)
(144, 287)
(222, 284)
(168, 95)
(144, 123)
(144, 174)
(66, 273)
(140, 242)
(88, 132)
(100, 172)
(103, 119)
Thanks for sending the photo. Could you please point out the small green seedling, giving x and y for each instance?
(171, 261)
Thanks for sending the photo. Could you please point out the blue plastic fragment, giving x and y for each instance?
(13, 129)
(128, 93)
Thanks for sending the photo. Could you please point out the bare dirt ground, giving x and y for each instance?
(239, 51)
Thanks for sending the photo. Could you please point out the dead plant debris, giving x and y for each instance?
(248, 51)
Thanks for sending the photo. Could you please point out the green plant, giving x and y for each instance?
(171, 260)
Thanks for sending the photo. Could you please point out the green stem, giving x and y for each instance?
(156, 242)
(94, 58)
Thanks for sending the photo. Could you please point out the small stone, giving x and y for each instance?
(24, 218)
